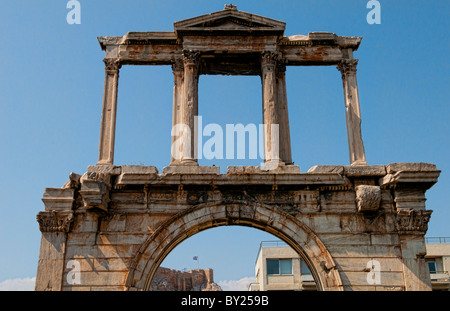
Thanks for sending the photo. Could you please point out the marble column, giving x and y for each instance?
(283, 115)
(109, 110)
(270, 109)
(353, 115)
(189, 106)
(178, 76)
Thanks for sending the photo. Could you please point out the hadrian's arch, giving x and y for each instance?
(205, 216)
(118, 222)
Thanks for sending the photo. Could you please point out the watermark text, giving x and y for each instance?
(74, 15)
(374, 15)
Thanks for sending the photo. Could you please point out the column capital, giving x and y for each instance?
(178, 64)
(112, 65)
(191, 57)
(51, 221)
(410, 221)
(269, 58)
(347, 66)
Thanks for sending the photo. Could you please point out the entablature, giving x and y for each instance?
(232, 37)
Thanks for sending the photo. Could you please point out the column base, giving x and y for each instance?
(104, 162)
(282, 169)
(191, 169)
(359, 163)
(188, 163)
(271, 165)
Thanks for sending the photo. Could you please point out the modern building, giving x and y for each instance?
(438, 259)
(279, 267)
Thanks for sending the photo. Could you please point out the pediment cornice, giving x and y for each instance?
(229, 21)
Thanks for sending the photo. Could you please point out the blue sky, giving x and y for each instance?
(51, 85)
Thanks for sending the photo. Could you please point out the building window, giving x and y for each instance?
(279, 266)
(432, 266)
(304, 268)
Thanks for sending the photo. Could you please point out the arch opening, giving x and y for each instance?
(259, 216)
(233, 257)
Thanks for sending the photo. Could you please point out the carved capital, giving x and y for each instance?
(178, 65)
(347, 66)
(112, 65)
(191, 57)
(412, 221)
(269, 58)
(54, 222)
(368, 198)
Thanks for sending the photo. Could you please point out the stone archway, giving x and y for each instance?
(376, 211)
(205, 216)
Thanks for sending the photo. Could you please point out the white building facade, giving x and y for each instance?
(438, 260)
(279, 267)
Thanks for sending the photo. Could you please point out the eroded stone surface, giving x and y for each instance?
(368, 198)
(415, 167)
(119, 222)
(128, 223)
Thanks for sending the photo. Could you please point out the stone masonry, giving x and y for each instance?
(111, 227)
(119, 222)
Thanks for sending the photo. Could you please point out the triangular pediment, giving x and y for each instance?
(229, 20)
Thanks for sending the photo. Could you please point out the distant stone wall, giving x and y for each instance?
(174, 280)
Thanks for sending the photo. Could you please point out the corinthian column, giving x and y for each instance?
(270, 110)
(189, 107)
(109, 110)
(283, 115)
(178, 77)
(352, 112)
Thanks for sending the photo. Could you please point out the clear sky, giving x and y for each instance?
(51, 88)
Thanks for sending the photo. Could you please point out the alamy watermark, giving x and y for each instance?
(374, 272)
(209, 141)
(74, 275)
(374, 15)
(74, 15)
